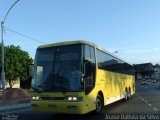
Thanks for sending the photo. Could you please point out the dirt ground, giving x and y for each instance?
(17, 95)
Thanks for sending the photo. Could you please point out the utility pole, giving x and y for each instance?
(3, 72)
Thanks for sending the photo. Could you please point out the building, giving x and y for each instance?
(157, 72)
(16, 84)
(144, 71)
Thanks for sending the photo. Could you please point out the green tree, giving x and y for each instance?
(16, 61)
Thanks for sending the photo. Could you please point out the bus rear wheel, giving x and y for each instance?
(129, 94)
(126, 95)
(99, 104)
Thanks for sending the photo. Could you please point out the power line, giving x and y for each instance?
(25, 35)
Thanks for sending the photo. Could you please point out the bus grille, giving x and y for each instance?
(53, 98)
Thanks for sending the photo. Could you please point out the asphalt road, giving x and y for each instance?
(144, 104)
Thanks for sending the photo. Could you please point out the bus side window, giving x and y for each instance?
(92, 55)
(87, 51)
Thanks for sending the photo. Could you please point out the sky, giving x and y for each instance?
(131, 27)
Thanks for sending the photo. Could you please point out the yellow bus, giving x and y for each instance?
(77, 77)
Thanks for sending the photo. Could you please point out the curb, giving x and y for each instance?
(15, 107)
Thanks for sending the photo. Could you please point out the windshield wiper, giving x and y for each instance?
(57, 75)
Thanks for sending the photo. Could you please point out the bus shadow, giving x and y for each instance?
(88, 116)
(109, 109)
(91, 115)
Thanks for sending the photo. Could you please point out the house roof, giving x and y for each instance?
(143, 67)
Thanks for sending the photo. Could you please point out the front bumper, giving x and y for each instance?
(60, 107)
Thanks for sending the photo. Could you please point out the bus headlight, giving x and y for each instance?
(35, 98)
(69, 98)
(74, 98)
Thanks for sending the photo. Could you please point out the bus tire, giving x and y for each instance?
(99, 104)
(129, 94)
(126, 95)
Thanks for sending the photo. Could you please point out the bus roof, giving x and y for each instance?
(79, 42)
(66, 43)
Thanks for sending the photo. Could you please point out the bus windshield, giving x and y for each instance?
(58, 69)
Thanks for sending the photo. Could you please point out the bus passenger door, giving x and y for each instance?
(90, 68)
